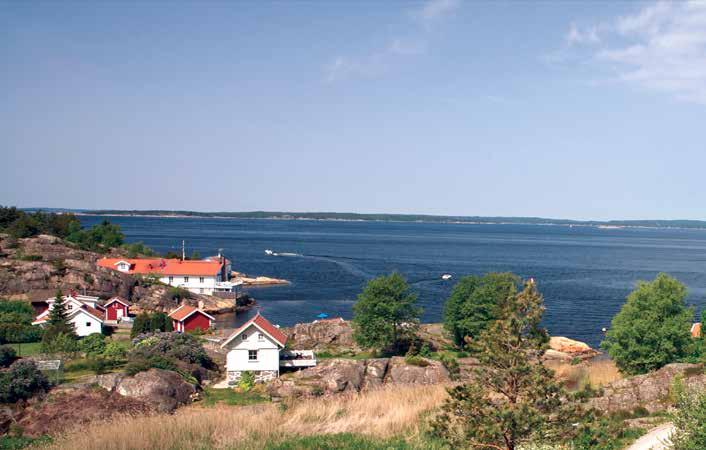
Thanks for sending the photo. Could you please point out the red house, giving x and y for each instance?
(187, 318)
(116, 308)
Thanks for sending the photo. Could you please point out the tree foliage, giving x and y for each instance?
(149, 323)
(20, 224)
(474, 304)
(690, 422)
(93, 345)
(16, 323)
(21, 381)
(652, 328)
(98, 238)
(512, 398)
(385, 314)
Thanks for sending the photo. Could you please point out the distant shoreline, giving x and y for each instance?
(408, 218)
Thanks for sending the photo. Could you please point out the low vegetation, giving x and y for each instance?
(379, 415)
(179, 352)
(16, 323)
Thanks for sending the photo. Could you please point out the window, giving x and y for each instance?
(201, 280)
(171, 280)
(252, 355)
(245, 337)
(70, 307)
(200, 290)
(88, 324)
(260, 337)
(186, 279)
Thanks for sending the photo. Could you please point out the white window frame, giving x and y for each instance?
(201, 280)
(250, 352)
(171, 280)
(186, 279)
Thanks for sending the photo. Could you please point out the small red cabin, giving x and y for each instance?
(116, 308)
(187, 318)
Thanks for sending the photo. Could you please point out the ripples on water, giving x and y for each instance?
(584, 273)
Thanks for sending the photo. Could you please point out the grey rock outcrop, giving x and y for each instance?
(330, 335)
(162, 390)
(346, 375)
(650, 391)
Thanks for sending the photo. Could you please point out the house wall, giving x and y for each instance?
(268, 352)
(194, 284)
(85, 324)
(112, 311)
(195, 321)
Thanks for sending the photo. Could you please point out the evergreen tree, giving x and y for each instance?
(652, 328)
(58, 321)
(386, 313)
(512, 399)
(160, 322)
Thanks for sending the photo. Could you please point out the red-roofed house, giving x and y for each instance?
(187, 318)
(254, 347)
(696, 330)
(199, 277)
(116, 308)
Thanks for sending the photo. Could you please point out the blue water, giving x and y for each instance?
(584, 273)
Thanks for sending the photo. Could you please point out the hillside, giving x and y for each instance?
(34, 268)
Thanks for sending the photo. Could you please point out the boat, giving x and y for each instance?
(270, 252)
(446, 276)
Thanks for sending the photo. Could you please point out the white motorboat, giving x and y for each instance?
(446, 276)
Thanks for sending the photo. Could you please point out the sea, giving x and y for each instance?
(584, 273)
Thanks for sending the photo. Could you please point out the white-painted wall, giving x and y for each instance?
(194, 284)
(85, 324)
(267, 352)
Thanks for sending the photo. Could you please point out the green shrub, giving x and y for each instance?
(92, 345)
(115, 350)
(690, 421)
(416, 361)
(60, 343)
(100, 365)
(21, 381)
(451, 365)
(247, 381)
(7, 355)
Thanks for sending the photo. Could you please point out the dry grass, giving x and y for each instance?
(383, 413)
(595, 373)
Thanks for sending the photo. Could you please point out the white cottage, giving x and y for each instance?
(83, 311)
(254, 347)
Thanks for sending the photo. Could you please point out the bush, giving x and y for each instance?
(60, 343)
(247, 381)
(100, 365)
(115, 351)
(21, 381)
(415, 360)
(451, 365)
(93, 344)
(7, 355)
(16, 323)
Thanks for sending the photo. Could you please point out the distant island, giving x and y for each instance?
(345, 216)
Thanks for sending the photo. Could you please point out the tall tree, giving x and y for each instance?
(385, 314)
(512, 399)
(652, 328)
(475, 303)
(58, 321)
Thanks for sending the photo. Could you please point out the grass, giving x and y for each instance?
(377, 415)
(346, 441)
(27, 349)
(19, 442)
(231, 397)
(595, 373)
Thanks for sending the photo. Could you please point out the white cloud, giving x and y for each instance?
(661, 47)
(578, 36)
(377, 61)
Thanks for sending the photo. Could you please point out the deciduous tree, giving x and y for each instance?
(652, 328)
(386, 313)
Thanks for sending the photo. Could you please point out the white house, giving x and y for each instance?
(254, 347)
(83, 311)
(200, 277)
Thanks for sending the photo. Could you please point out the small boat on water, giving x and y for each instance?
(270, 252)
(446, 276)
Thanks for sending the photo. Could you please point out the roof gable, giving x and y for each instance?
(263, 325)
(118, 300)
(185, 311)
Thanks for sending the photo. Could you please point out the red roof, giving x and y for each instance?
(162, 266)
(185, 311)
(696, 330)
(262, 323)
(116, 299)
(98, 314)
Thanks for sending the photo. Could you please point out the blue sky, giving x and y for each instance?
(557, 109)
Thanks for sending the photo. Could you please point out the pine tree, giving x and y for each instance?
(513, 398)
(140, 325)
(58, 321)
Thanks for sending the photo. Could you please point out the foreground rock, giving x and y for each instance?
(334, 376)
(69, 408)
(161, 390)
(650, 391)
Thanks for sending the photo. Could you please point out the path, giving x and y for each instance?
(654, 439)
